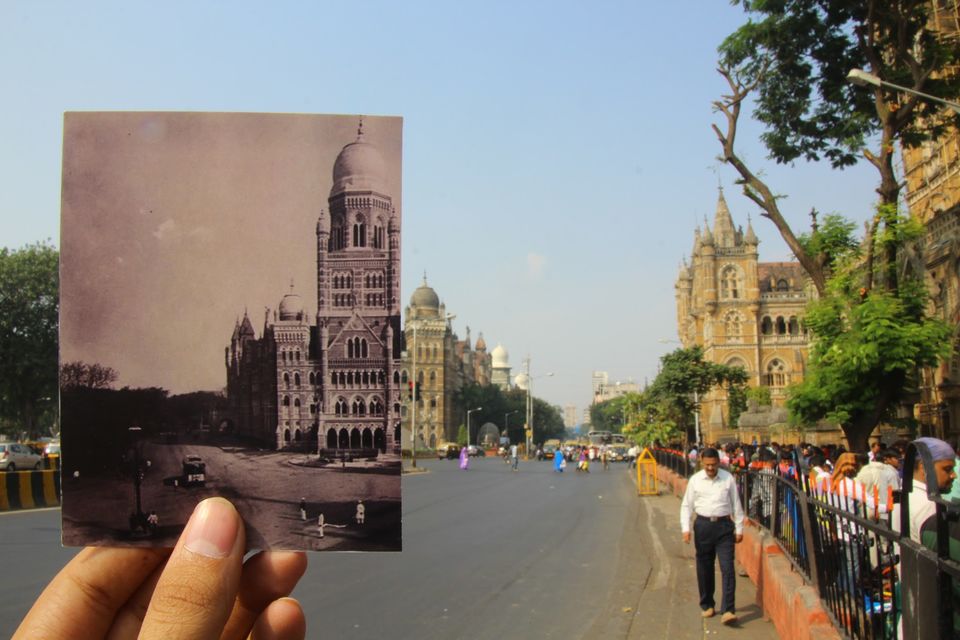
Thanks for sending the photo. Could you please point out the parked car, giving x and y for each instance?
(15, 456)
(476, 452)
(194, 471)
(447, 450)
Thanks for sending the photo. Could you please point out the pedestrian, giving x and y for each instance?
(361, 512)
(464, 458)
(712, 503)
(303, 509)
(559, 461)
(320, 524)
(514, 456)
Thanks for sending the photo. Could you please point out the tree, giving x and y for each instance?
(74, 375)
(792, 58)
(683, 372)
(29, 308)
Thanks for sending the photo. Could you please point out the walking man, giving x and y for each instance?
(712, 503)
(361, 512)
(514, 456)
(303, 509)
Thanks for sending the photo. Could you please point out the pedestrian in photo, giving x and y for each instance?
(712, 505)
(514, 456)
(361, 512)
(320, 524)
(464, 458)
(303, 509)
(559, 461)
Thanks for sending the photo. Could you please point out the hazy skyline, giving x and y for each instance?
(557, 155)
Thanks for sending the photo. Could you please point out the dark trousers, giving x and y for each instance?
(712, 540)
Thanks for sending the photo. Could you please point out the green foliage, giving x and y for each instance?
(800, 51)
(833, 239)
(29, 317)
(761, 395)
(462, 435)
(495, 404)
(868, 343)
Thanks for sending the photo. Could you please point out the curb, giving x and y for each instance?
(29, 489)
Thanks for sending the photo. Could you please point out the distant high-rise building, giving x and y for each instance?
(570, 416)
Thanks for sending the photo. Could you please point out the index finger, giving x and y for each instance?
(88, 592)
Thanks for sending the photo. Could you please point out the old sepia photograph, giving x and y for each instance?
(230, 326)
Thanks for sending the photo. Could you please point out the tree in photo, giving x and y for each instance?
(80, 375)
(792, 59)
(29, 308)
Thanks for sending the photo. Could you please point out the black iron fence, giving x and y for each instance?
(873, 581)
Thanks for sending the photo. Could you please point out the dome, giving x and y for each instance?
(521, 381)
(499, 357)
(424, 297)
(359, 167)
(481, 343)
(291, 307)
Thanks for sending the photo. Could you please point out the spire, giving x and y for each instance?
(707, 238)
(750, 237)
(360, 130)
(723, 229)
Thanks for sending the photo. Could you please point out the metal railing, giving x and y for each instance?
(874, 582)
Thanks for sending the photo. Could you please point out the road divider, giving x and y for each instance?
(29, 489)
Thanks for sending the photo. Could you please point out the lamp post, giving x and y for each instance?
(469, 411)
(528, 380)
(413, 394)
(505, 417)
(862, 78)
(134, 433)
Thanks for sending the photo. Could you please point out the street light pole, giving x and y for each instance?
(413, 399)
(506, 416)
(469, 411)
(862, 78)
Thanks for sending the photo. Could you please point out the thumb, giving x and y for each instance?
(195, 593)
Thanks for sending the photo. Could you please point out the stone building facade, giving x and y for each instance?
(932, 173)
(444, 364)
(742, 312)
(333, 383)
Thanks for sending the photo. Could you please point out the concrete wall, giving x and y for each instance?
(29, 489)
(793, 606)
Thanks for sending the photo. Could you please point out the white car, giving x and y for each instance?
(15, 456)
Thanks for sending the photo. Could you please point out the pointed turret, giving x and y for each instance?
(750, 237)
(724, 233)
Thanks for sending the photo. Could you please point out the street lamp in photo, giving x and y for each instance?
(469, 411)
(863, 78)
(138, 519)
(506, 416)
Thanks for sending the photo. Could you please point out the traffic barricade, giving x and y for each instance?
(29, 489)
(647, 474)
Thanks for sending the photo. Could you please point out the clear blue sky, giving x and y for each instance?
(557, 155)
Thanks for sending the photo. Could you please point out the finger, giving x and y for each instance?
(129, 619)
(196, 590)
(266, 577)
(282, 620)
(87, 593)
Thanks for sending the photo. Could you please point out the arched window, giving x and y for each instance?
(737, 362)
(433, 378)
(366, 377)
(349, 348)
(350, 377)
(296, 403)
(776, 375)
(286, 401)
(363, 345)
(766, 326)
(396, 377)
(794, 326)
(403, 377)
(296, 379)
(732, 324)
(343, 378)
(729, 283)
(396, 408)
(783, 285)
(286, 379)
(781, 326)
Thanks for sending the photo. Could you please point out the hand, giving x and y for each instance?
(686, 537)
(737, 538)
(199, 589)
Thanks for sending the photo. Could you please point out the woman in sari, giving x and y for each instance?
(465, 458)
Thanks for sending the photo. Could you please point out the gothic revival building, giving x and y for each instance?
(742, 312)
(335, 382)
(442, 364)
(932, 173)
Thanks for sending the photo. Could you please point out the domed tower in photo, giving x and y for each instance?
(333, 384)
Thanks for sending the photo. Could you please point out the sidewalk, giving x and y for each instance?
(655, 592)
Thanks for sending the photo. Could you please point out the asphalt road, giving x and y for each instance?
(488, 553)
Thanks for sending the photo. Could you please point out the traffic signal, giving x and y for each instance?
(410, 390)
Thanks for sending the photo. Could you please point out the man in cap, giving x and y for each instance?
(921, 508)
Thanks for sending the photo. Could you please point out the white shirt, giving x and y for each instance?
(711, 497)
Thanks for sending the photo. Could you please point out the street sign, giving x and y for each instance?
(647, 474)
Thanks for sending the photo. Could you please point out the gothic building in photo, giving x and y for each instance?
(742, 312)
(332, 380)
